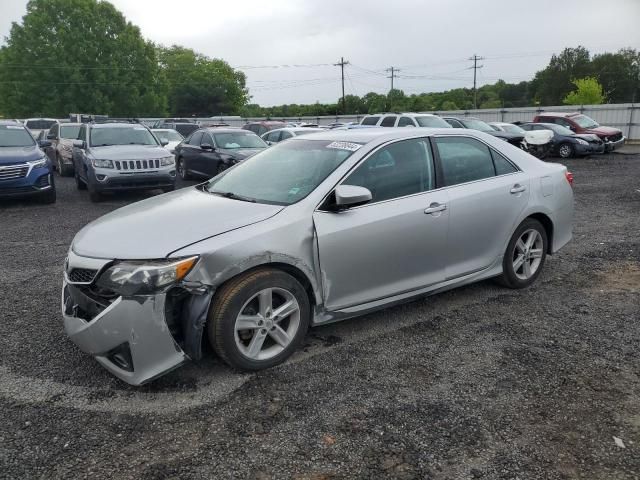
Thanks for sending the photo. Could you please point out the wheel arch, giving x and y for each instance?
(547, 223)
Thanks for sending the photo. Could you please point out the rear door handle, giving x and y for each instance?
(517, 188)
(435, 208)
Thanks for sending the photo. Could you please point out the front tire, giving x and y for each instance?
(525, 255)
(63, 170)
(565, 150)
(258, 319)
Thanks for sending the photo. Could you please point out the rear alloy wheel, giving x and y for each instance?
(525, 255)
(258, 319)
(565, 150)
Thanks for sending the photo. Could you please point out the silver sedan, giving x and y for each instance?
(317, 229)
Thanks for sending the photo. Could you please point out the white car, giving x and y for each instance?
(36, 125)
(405, 120)
(172, 137)
(278, 135)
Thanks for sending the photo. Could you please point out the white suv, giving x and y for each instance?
(405, 120)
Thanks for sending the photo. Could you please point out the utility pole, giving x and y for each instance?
(393, 71)
(341, 64)
(475, 67)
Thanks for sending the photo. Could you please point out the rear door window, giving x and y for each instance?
(370, 121)
(388, 121)
(406, 122)
(454, 123)
(463, 160)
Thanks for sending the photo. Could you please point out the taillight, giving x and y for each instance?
(569, 176)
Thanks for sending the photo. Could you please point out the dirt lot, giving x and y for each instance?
(480, 382)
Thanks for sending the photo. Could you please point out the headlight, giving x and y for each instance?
(144, 277)
(41, 162)
(606, 139)
(166, 161)
(102, 163)
(582, 142)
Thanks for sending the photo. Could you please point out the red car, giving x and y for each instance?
(579, 123)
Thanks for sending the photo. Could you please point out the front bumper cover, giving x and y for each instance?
(134, 324)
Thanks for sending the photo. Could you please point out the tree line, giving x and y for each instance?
(83, 56)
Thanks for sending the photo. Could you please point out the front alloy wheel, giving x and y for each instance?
(257, 320)
(565, 151)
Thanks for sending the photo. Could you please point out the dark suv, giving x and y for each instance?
(579, 123)
(263, 126)
(110, 157)
(25, 170)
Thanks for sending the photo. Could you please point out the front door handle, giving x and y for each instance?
(517, 188)
(435, 208)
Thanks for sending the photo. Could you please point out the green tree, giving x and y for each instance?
(619, 74)
(78, 55)
(553, 83)
(588, 92)
(201, 86)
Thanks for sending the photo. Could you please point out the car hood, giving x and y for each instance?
(587, 136)
(241, 153)
(157, 226)
(129, 152)
(13, 155)
(506, 135)
(603, 131)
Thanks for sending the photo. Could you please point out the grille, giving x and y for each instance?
(13, 171)
(616, 137)
(137, 164)
(82, 275)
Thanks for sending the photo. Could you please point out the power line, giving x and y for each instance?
(475, 67)
(393, 71)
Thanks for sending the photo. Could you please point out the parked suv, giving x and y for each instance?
(36, 125)
(405, 120)
(61, 136)
(263, 126)
(579, 123)
(110, 157)
(25, 170)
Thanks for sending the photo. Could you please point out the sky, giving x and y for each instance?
(288, 48)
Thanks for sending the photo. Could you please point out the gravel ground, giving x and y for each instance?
(480, 382)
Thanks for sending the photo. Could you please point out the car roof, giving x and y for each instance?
(558, 114)
(41, 118)
(116, 124)
(71, 124)
(10, 122)
(373, 135)
(542, 123)
(227, 130)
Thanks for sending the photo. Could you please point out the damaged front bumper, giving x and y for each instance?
(137, 338)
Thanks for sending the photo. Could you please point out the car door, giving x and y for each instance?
(208, 160)
(395, 243)
(486, 193)
(191, 152)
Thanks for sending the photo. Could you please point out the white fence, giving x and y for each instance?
(625, 116)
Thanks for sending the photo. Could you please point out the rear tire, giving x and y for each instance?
(258, 319)
(525, 255)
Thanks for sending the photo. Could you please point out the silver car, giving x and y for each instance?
(317, 229)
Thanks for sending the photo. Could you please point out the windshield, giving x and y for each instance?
(559, 129)
(585, 122)
(433, 122)
(39, 124)
(513, 129)
(15, 136)
(104, 137)
(283, 174)
(477, 125)
(170, 135)
(69, 131)
(239, 139)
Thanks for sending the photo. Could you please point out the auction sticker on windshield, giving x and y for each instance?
(352, 147)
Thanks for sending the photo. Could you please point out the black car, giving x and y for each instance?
(183, 128)
(567, 144)
(476, 124)
(209, 151)
(25, 170)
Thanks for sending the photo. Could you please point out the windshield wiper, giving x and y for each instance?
(103, 145)
(234, 196)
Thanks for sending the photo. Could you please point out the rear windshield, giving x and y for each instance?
(15, 136)
(477, 125)
(39, 124)
(170, 135)
(105, 137)
(186, 128)
(433, 122)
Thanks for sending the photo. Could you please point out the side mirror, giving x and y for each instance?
(164, 142)
(51, 136)
(44, 143)
(207, 146)
(351, 196)
(79, 144)
(269, 142)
